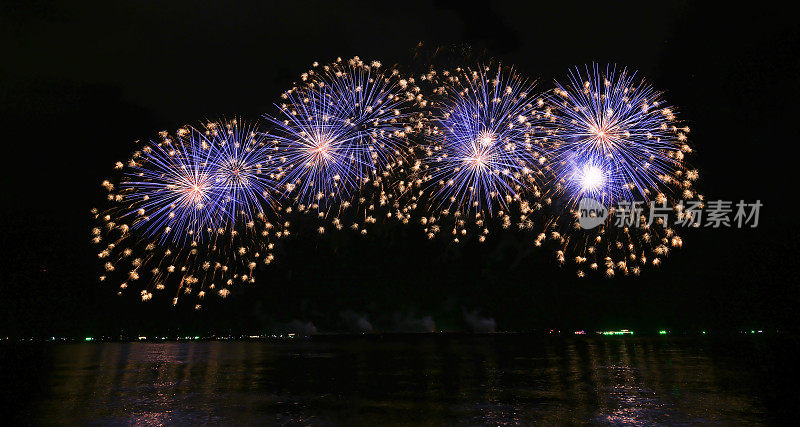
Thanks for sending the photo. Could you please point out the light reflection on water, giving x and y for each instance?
(499, 379)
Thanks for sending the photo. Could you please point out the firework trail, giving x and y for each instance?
(615, 141)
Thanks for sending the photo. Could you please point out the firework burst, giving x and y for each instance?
(616, 141)
(460, 153)
(342, 136)
(243, 165)
(483, 146)
(190, 210)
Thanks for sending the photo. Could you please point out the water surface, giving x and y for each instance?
(401, 379)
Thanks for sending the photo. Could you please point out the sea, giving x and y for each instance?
(405, 379)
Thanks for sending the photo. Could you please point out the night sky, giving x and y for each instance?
(79, 83)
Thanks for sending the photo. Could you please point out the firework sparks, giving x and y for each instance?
(483, 147)
(244, 168)
(621, 129)
(342, 135)
(191, 211)
(615, 141)
(343, 125)
(353, 143)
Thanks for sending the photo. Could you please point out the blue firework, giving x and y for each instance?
(343, 126)
(169, 189)
(190, 211)
(374, 104)
(186, 186)
(616, 138)
(243, 164)
(317, 153)
(485, 141)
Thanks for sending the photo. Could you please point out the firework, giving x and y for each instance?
(342, 137)
(616, 142)
(173, 195)
(190, 210)
(483, 147)
(464, 151)
(243, 165)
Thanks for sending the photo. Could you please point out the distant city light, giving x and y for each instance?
(620, 332)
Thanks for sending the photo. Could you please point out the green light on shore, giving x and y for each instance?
(88, 339)
(662, 332)
(704, 332)
(620, 332)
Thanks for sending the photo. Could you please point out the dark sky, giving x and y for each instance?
(80, 82)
